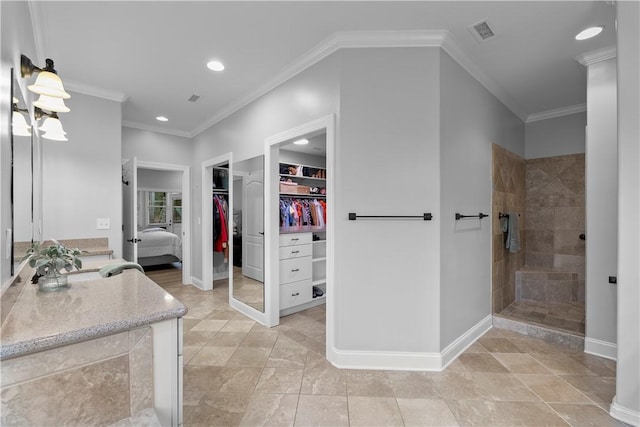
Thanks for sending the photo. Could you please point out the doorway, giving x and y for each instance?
(137, 212)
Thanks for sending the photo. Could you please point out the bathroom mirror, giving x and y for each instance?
(248, 232)
(22, 181)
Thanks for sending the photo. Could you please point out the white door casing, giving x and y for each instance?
(129, 210)
(253, 226)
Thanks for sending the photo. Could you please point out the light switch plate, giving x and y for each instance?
(103, 224)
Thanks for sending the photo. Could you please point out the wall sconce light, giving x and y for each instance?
(52, 127)
(50, 103)
(19, 126)
(47, 83)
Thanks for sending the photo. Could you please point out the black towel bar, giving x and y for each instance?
(503, 215)
(425, 216)
(480, 215)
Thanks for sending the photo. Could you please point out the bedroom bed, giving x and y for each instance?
(157, 246)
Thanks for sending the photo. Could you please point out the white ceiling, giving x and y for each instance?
(154, 54)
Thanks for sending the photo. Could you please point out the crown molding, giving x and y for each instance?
(143, 126)
(596, 56)
(454, 51)
(369, 39)
(86, 89)
(557, 112)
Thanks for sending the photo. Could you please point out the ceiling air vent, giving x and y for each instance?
(482, 31)
(194, 98)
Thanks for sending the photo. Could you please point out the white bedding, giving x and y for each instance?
(156, 242)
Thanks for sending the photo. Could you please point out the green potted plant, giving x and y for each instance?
(49, 263)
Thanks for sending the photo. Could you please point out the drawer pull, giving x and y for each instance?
(295, 238)
(295, 270)
(296, 294)
(295, 252)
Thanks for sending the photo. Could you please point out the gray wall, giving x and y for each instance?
(82, 176)
(601, 202)
(555, 137)
(156, 147)
(628, 364)
(159, 180)
(387, 273)
(471, 119)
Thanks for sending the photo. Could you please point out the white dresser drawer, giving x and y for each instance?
(295, 293)
(295, 269)
(295, 239)
(287, 252)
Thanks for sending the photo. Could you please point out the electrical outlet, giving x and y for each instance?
(103, 224)
(613, 280)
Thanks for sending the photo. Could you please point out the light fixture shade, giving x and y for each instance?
(19, 125)
(53, 126)
(55, 136)
(49, 84)
(50, 103)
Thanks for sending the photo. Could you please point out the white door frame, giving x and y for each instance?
(272, 229)
(186, 211)
(207, 216)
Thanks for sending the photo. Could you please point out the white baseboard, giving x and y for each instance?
(387, 360)
(409, 361)
(600, 348)
(197, 282)
(626, 415)
(456, 348)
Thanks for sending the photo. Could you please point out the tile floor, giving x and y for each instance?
(563, 316)
(238, 372)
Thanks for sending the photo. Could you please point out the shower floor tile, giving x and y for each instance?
(563, 316)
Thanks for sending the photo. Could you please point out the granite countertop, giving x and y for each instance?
(86, 310)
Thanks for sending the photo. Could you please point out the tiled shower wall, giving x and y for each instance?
(508, 174)
(555, 215)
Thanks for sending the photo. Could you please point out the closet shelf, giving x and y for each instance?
(303, 177)
(319, 259)
(298, 195)
(319, 282)
(319, 241)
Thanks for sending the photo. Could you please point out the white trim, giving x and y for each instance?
(365, 39)
(207, 244)
(111, 95)
(623, 414)
(496, 90)
(557, 112)
(387, 360)
(186, 211)
(196, 282)
(410, 361)
(600, 348)
(596, 56)
(142, 126)
(464, 341)
(272, 230)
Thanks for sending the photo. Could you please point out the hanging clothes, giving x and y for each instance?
(296, 212)
(220, 233)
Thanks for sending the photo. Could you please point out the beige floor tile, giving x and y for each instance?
(287, 358)
(270, 410)
(491, 413)
(426, 412)
(197, 338)
(214, 379)
(412, 384)
(476, 347)
(374, 411)
(249, 357)
(598, 389)
(585, 415)
(284, 341)
(521, 363)
(280, 380)
(227, 339)
(209, 414)
(326, 411)
(498, 345)
(209, 325)
(553, 389)
(212, 356)
(188, 352)
(321, 377)
(480, 362)
(562, 364)
(598, 365)
(260, 339)
(238, 326)
(187, 324)
(222, 315)
(504, 387)
(368, 383)
(459, 386)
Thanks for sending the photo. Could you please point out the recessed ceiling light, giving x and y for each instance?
(301, 142)
(162, 119)
(215, 65)
(589, 32)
